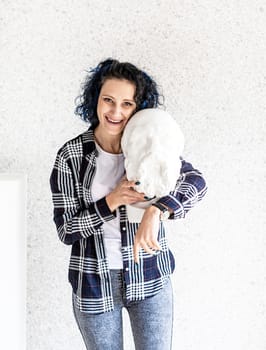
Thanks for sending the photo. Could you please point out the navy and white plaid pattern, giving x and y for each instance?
(79, 222)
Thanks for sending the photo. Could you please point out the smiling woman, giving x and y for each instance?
(146, 93)
(115, 106)
(116, 264)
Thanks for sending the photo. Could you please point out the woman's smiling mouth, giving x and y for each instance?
(112, 121)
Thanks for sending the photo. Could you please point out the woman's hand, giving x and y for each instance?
(123, 194)
(146, 236)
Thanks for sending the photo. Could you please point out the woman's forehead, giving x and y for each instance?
(118, 87)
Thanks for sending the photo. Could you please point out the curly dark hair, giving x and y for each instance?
(146, 95)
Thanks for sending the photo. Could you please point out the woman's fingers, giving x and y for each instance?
(148, 247)
(123, 194)
(136, 250)
(126, 194)
(131, 193)
(129, 184)
(137, 247)
(154, 245)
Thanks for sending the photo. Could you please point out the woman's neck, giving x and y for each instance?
(108, 143)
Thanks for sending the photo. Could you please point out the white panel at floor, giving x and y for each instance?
(13, 261)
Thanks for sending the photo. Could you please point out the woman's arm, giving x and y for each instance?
(190, 189)
(73, 222)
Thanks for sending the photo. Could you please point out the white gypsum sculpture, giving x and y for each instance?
(152, 144)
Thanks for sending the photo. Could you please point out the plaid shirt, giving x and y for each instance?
(79, 222)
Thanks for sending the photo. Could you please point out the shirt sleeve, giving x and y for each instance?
(72, 221)
(190, 189)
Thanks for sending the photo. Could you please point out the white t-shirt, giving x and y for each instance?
(109, 171)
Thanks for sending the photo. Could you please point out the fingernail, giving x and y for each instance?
(149, 198)
(137, 183)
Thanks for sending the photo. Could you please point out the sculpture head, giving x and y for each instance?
(152, 144)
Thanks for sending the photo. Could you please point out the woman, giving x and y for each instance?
(115, 264)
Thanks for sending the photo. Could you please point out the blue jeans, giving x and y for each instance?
(151, 320)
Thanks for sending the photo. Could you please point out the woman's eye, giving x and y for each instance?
(128, 104)
(108, 100)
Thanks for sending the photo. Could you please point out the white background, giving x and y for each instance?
(13, 189)
(209, 59)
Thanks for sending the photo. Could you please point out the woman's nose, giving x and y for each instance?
(117, 111)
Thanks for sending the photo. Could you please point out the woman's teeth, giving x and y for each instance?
(113, 121)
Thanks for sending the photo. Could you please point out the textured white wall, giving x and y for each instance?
(209, 58)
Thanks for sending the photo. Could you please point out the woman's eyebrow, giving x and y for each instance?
(107, 95)
(128, 100)
(125, 99)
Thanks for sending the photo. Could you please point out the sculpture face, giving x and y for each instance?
(152, 144)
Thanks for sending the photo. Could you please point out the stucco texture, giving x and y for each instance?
(209, 59)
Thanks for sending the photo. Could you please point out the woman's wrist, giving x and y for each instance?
(111, 202)
(153, 210)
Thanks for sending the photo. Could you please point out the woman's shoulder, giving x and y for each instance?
(78, 145)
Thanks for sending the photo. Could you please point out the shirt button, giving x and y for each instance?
(122, 208)
(127, 269)
(123, 228)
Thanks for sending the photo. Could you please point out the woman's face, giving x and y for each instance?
(115, 105)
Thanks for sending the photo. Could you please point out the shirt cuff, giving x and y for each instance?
(172, 203)
(103, 210)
